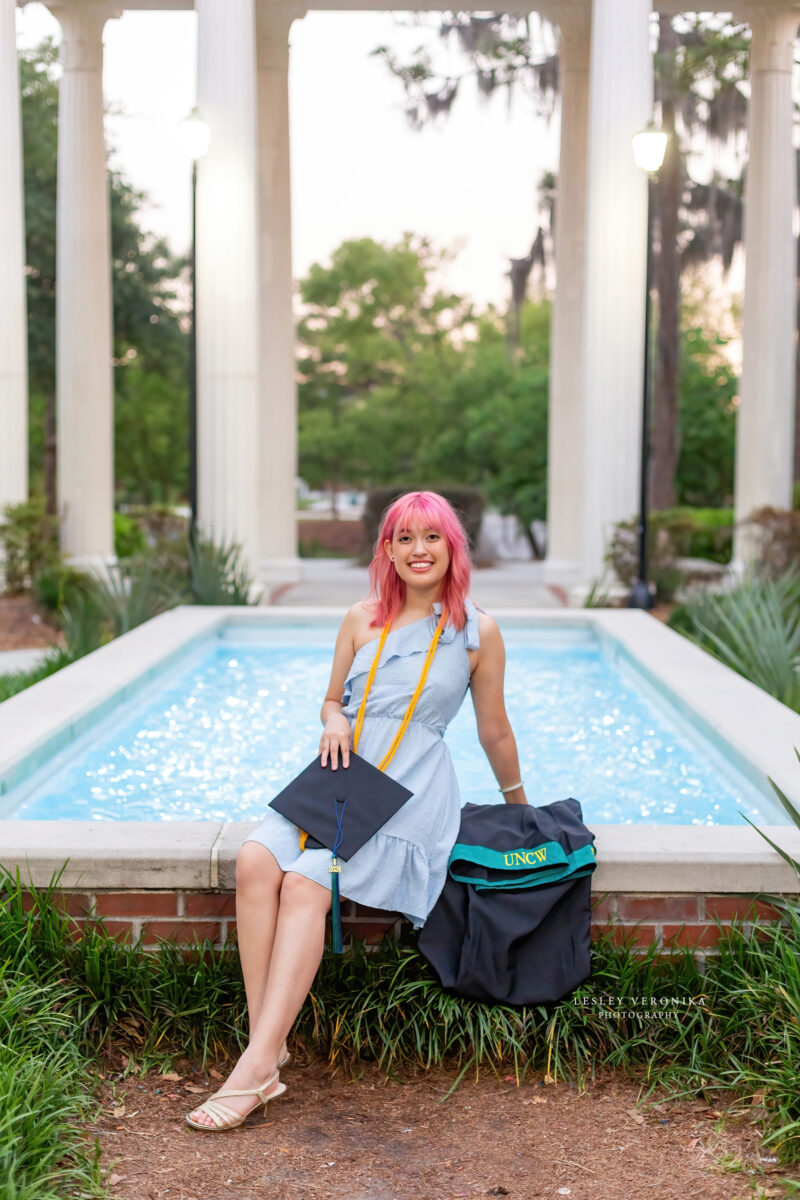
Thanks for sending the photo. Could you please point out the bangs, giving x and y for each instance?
(430, 511)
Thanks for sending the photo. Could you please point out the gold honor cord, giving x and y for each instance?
(387, 758)
(383, 764)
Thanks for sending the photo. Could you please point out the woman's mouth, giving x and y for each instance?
(420, 568)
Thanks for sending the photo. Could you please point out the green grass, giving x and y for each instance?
(736, 1036)
(42, 1095)
(17, 681)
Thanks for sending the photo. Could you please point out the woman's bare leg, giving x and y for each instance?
(296, 955)
(258, 887)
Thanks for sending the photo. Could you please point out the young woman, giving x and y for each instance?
(420, 566)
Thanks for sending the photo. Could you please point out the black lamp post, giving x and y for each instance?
(195, 135)
(649, 148)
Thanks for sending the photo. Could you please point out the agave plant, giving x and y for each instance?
(217, 574)
(133, 592)
(755, 629)
(85, 627)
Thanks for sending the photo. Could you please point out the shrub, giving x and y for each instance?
(778, 535)
(159, 521)
(55, 585)
(622, 555)
(129, 536)
(29, 540)
(700, 532)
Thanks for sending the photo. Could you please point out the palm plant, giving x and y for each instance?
(755, 629)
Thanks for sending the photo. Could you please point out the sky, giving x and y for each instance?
(358, 169)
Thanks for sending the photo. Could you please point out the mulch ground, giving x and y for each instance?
(22, 627)
(334, 1137)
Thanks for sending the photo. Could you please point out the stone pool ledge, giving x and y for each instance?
(202, 854)
(176, 880)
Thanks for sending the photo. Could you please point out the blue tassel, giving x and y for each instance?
(336, 908)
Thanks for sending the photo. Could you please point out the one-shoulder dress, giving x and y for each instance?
(402, 868)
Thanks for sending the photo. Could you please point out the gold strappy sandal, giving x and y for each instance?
(284, 1057)
(227, 1118)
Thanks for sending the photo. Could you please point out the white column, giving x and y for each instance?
(565, 422)
(765, 421)
(227, 279)
(620, 103)
(13, 329)
(84, 345)
(279, 562)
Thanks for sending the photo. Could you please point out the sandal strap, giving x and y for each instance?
(224, 1117)
(220, 1114)
(257, 1091)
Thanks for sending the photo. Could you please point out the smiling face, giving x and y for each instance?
(420, 555)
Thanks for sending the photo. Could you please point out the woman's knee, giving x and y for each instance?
(257, 867)
(301, 892)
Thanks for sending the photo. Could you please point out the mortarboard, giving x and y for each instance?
(342, 809)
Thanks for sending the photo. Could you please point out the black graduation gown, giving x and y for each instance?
(512, 923)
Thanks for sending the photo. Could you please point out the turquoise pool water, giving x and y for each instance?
(223, 730)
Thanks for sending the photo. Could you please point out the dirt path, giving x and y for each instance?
(21, 626)
(330, 1138)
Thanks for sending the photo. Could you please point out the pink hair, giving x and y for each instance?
(387, 589)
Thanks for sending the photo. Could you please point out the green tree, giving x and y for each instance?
(700, 65)
(495, 430)
(150, 346)
(708, 393)
(378, 341)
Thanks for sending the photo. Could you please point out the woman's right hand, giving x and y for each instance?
(335, 740)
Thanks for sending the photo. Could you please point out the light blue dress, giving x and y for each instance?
(402, 868)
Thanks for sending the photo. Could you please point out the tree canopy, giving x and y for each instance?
(401, 383)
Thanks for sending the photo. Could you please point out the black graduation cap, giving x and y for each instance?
(340, 809)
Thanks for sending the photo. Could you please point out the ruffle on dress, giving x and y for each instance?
(412, 639)
(402, 880)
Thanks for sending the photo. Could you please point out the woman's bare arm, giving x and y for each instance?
(335, 738)
(494, 728)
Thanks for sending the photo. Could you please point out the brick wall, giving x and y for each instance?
(674, 920)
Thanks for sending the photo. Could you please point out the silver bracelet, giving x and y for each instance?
(512, 788)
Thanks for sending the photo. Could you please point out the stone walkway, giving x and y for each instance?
(338, 581)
